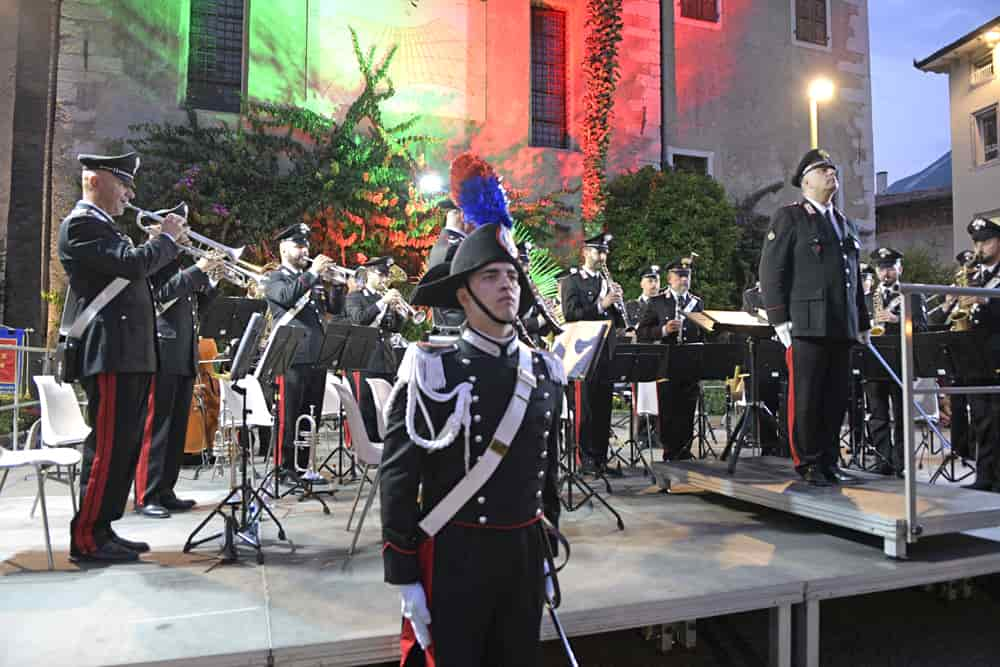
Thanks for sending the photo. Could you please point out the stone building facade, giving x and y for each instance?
(718, 88)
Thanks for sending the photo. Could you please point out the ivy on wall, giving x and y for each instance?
(601, 72)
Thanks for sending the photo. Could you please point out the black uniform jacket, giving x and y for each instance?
(580, 295)
(177, 327)
(362, 308)
(443, 251)
(283, 287)
(93, 252)
(918, 306)
(662, 308)
(635, 309)
(519, 492)
(811, 277)
(987, 316)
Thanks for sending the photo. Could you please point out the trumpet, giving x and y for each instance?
(334, 273)
(198, 246)
(307, 437)
(397, 276)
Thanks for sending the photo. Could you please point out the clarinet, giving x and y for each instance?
(619, 305)
(543, 304)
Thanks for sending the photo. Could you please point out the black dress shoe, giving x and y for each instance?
(109, 552)
(175, 504)
(813, 476)
(835, 475)
(138, 547)
(979, 485)
(153, 511)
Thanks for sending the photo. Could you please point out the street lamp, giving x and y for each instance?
(820, 90)
(430, 183)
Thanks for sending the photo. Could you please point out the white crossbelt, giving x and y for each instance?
(488, 463)
(112, 290)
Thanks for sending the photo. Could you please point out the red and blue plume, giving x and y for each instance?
(477, 190)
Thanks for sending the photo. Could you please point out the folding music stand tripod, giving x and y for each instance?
(244, 497)
(580, 347)
(347, 348)
(872, 370)
(634, 363)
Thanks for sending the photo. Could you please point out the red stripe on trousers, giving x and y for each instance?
(84, 530)
(791, 405)
(408, 638)
(142, 470)
(281, 421)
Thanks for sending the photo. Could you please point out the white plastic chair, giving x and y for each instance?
(61, 423)
(41, 460)
(380, 396)
(366, 453)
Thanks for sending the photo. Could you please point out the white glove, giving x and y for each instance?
(784, 331)
(415, 609)
(550, 588)
(865, 337)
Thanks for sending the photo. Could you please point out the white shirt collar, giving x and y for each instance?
(98, 209)
(488, 344)
(587, 273)
(677, 296)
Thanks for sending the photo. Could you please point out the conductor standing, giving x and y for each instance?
(811, 285)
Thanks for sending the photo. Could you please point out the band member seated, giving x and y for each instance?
(665, 321)
(885, 398)
(296, 287)
(589, 295)
(811, 282)
(535, 324)
(180, 294)
(470, 561)
(985, 314)
(379, 306)
(117, 349)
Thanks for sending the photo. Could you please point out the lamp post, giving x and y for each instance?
(820, 90)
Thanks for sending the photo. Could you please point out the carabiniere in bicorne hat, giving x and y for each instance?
(487, 244)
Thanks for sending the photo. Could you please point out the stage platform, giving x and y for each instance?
(680, 557)
(874, 505)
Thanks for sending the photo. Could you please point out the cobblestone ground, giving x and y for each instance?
(909, 628)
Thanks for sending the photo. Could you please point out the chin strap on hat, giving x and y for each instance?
(483, 307)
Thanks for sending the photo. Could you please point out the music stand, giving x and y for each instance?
(580, 348)
(228, 317)
(740, 323)
(634, 363)
(347, 348)
(250, 503)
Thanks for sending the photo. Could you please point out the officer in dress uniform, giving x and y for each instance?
(368, 306)
(811, 282)
(649, 283)
(885, 398)
(470, 562)
(665, 321)
(985, 314)
(448, 321)
(300, 390)
(180, 294)
(117, 354)
(588, 297)
(961, 434)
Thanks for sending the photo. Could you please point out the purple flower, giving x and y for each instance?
(220, 210)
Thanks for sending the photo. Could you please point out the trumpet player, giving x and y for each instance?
(885, 398)
(381, 306)
(985, 314)
(117, 348)
(588, 294)
(303, 384)
(180, 294)
(665, 320)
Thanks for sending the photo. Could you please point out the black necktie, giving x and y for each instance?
(833, 221)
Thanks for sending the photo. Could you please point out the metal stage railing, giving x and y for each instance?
(913, 527)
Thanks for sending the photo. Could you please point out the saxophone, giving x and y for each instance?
(880, 306)
(960, 318)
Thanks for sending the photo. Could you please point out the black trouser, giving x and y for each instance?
(595, 420)
(677, 403)
(961, 434)
(363, 394)
(163, 445)
(985, 410)
(117, 412)
(885, 427)
(485, 596)
(819, 388)
(301, 387)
